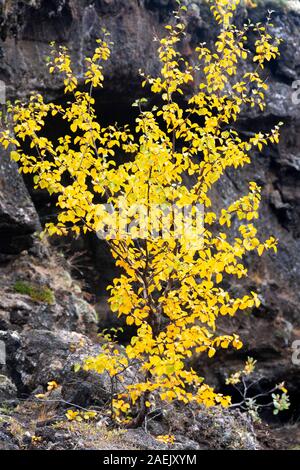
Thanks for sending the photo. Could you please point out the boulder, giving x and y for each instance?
(7, 439)
(39, 293)
(8, 390)
(18, 217)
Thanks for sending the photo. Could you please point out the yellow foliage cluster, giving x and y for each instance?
(166, 439)
(79, 416)
(248, 369)
(170, 291)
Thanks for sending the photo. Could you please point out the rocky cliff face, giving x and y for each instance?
(26, 28)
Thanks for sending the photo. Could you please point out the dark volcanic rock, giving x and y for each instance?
(7, 439)
(59, 302)
(8, 390)
(36, 357)
(220, 429)
(29, 27)
(18, 217)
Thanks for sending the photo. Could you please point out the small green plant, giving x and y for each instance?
(37, 293)
(280, 402)
(250, 403)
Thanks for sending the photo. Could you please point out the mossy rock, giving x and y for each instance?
(35, 292)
